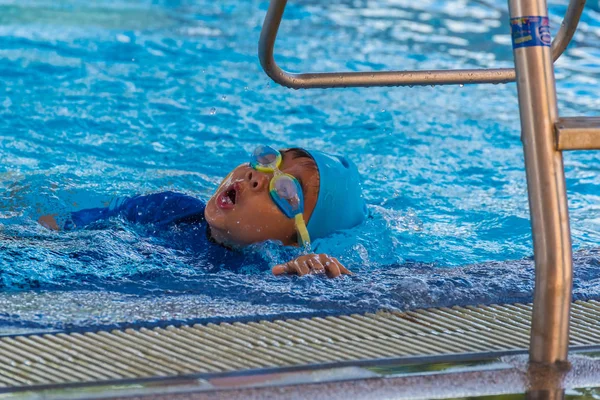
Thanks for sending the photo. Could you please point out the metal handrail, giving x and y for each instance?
(543, 134)
(567, 28)
(272, 21)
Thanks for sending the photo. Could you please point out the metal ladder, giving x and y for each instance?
(544, 136)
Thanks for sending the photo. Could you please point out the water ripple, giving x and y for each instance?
(117, 98)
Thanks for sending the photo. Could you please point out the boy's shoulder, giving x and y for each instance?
(167, 206)
(167, 197)
(160, 208)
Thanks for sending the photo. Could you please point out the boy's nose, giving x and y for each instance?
(256, 180)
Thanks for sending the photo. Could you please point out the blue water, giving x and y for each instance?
(116, 98)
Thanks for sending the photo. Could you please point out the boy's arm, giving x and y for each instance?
(312, 263)
(77, 219)
(162, 208)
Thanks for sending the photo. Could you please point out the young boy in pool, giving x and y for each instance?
(270, 198)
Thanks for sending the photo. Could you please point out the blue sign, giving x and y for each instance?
(530, 31)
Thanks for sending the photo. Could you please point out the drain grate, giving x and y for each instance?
(139, 353)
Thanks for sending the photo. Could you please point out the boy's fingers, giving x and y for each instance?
(323, 258)
(343, 269)
(298, 268)
(279, 269)
(333, 271)
(315, 265)
(303, 267)
(293, 267)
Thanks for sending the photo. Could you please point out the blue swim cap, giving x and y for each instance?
(340, 204)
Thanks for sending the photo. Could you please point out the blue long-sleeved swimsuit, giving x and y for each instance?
(175, 217)
(160, 209)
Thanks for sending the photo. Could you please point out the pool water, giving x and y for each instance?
(112, 98)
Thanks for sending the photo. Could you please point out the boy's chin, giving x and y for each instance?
(223, 239)
(212, 215)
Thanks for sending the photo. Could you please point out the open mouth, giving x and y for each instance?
(228, 197)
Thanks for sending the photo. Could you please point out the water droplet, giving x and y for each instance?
(133, 59)
(383, 110)
(461, 85)
(223, 97)
(140, 213)
(213, 111)
(123, 38)
(245, 88)
(203, 71)
(410, 86)
(268, 84)
(432, 85)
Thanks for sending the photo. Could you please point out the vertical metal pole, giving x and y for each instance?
(545, 181)
(555, 394)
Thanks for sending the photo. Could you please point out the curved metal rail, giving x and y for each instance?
(567, 28)
(272, 21)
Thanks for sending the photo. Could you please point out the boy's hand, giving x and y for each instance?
(312, 264)
(48, 221)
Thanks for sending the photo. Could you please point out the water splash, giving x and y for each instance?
(443, 170)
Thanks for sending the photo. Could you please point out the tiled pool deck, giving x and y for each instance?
(443, 352)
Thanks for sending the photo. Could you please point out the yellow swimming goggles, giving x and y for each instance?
(285, 190)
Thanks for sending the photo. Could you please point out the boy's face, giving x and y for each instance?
(242, 212)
